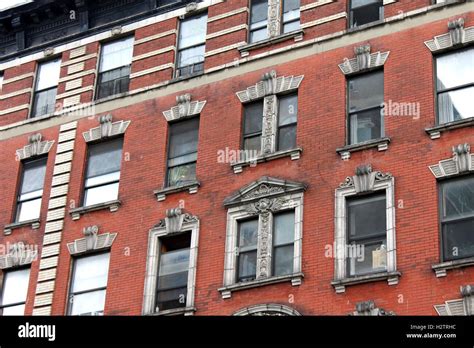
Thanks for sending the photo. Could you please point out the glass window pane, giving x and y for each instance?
(458, 239)
(104, 158)
(456, 105)
(247, 266)
(183, 137)
(88, 303)
(253, 118)
(359, 3)
(15, 286)
(182, 174)
(116, 54)
(101, 194)
(287, 110)
(367, 216)
(283, 260)
(259, 11)
(367, 258)
(33, 175)
(29, 210)
(44, 102)
(366, 126)
(170, 299)
(192, 31)
(90, 272)
(458, 198)
(367, 14)
(103, 179)
(287, 138)
(173, 271)
(48, 74)
(455, 69)
(14, 310)
(191, 56)
(288, 27)
(253, 145)
(366, 91)
(258, 35)
(248, 233)
(284, 228)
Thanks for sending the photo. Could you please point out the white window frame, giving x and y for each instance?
(182, 223)
(365, 181)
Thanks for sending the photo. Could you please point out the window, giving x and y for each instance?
(253, 117)
(291, 15)
(367, 234)
(283, 243)
(89, 285)
(182, 153)
(191, 45)
(47, 78)
(365, 11)
(455, 86)
(31, 190)
(287, 117)
(103, 172)
(457, 218)
(114, 67)
(14, 292)
(172, 284)
(247, 263)
(365, 107)
(290, 21)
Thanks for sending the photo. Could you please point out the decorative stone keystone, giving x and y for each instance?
(467, 293)
(91, 236)
(456, 31)
(462, 157)
(363, 56)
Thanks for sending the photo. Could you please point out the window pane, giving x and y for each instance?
(291, 15)
(455, 69)
(103, 179)
(258, 35)
(116, 54)
(458, 198)
(48, 74)
(367, 217)
(247, 266)
(113, 82)
(283, 260)
(33, 176)
(366, 91)
(1, 81)
(191, 56)
(101, 194)
(287, 110)
(29, 210)
(366, 126)
(359, 3)
(104, 158)
(368, 258)
(456, 105)
(170, 299)
(259, 11)
(367, 14)
(284, 228)
(14, 310)
(183, 137)
(248, 234)
(287, 138)
(90, 272)
(193, 31)
(173, 270)
(291, 26)
(15, 286)
(44, 102)
(253, 118)
(182, 174)
(253, 145)
(458, 239)
(88, 303)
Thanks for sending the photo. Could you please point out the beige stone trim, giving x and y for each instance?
(78, 60)
(18, 78)
(14, 94)
(152, 70)
(77, 52)
(78, 75)
(14, 109)
(315, 4)
(224, 49)
(227, 31)
(74, 92)
(324, 20)
(153, 53)
(228, 14)
(155, 37)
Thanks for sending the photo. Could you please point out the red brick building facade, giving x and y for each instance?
(420, 267)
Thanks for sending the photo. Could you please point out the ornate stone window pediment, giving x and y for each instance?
(19, 254)
(35, 147)
(463, 306)
(106, 129)
(92, 241)
(363, 60)
(268, 309)
(461, 162)
(456, 36)
(263, 202)
(368, 308)
(185, 107)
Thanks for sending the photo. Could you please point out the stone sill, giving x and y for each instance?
(295, 280)
(297, 35)
(340, 285)
(381, 144)
(442, 268)
(112, 205)
(192, 187)
(435, 132)
(7, 229)
(186, 311)
(295, 154)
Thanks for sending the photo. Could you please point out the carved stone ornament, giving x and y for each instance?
(270, 309)
(368, 308)
(92, 241)
(363, 60)
(116, 31)
(19, 254)
(35, 147)
(456, 31)
(265, 205)
(457, 35)
(185, 107)
(364, 179)
(461, 162)
(106, 129)
(467, 293)
(174, 220)
(191, 7)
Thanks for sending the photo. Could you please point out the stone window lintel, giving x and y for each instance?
(294, 154)
(297, 35)
(111, 205)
